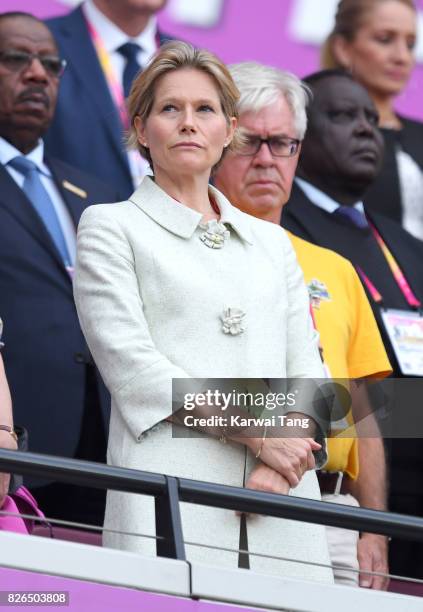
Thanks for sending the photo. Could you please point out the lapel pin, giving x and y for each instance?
(74, 189)
(318, 293)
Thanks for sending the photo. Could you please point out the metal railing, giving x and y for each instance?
(168, 491)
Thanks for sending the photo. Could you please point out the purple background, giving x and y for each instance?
(248, 30)
(94, 597)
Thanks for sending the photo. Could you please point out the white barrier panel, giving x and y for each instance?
(176, 581)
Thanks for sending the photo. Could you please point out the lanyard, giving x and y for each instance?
(109, 74)
(397, 273)
(313, 320)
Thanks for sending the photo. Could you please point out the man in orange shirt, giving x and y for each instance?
(258, 179)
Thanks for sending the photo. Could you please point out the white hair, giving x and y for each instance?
(261, 86)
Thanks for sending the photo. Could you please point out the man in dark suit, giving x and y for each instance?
(57, 393)
(105, 43)
(341, 157)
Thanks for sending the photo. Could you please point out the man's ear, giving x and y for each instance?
(232, 124)
(297, 157)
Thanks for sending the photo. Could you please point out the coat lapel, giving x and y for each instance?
(311, 223)
(303, 218)
(318, 226)
(406, 249)
(15, 202)
(74, 196)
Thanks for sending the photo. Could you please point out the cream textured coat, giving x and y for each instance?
(150, 296)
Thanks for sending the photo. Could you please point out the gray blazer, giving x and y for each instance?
(151, 297)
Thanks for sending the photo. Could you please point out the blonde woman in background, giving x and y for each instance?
(375, 41)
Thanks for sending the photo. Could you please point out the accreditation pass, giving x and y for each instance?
(405, 331)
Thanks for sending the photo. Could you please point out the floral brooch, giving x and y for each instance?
(232, 319)
(215, 234)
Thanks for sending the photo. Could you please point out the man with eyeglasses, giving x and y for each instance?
(57, 393)
(258, 179)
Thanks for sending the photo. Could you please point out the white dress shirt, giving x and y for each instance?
(411, 185)
(9, 152)
(321, 199)
(113, 38)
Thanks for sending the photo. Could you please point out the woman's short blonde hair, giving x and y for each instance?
(350, 17)
(176, 56)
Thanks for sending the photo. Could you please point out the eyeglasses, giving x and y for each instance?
(278, 146)
(15, 61)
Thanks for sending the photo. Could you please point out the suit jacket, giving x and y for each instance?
(384, 195)
(312, 223)
(87, 131)
(45, 352)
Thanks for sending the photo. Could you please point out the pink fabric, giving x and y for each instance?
(20, 502)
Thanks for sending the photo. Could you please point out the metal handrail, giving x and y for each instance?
(169, 491)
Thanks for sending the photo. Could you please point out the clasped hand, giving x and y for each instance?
(283, 463)
(290, 457)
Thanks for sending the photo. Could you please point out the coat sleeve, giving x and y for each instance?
(304, 366)
(111, 313)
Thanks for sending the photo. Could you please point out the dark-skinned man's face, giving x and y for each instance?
(342, 140)
(27, 95)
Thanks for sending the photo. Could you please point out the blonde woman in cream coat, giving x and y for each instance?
(177, 283)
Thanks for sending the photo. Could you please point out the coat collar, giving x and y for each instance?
(182, 220)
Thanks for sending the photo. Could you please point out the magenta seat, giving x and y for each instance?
(71, 535)
(406, 588)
